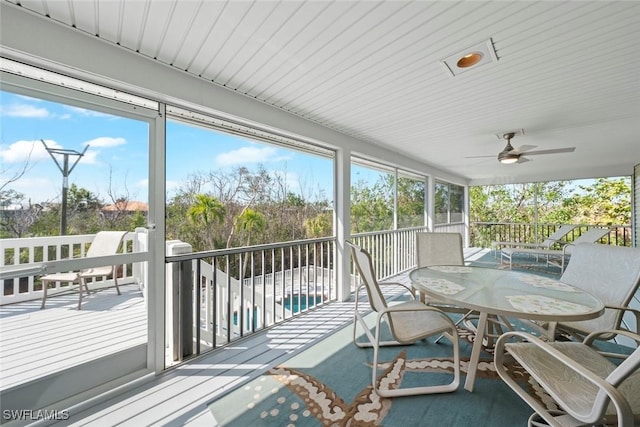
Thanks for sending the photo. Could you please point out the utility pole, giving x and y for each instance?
(66, 171)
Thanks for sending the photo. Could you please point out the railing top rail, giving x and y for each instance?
(34, 241)
(548, 224)
(243, 249)
(378, 233)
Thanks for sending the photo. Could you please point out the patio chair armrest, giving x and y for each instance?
(631, 310)
(397, 309)
(409, 288)
(616, 397)
(589, 339)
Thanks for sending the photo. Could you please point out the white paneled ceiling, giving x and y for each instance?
(568, 73)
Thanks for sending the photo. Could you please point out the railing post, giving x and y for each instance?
(179, 302)
(140, 269)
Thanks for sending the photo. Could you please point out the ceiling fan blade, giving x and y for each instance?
(478, 157)
(523, 160)
(552, 151)
(523, 148)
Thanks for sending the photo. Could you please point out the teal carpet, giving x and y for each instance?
(329, 384)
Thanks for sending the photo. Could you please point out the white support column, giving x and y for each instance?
(343, 222)
(156, 244)
(465, 217)
(431, 202)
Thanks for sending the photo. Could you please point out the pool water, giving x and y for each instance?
(300, 302)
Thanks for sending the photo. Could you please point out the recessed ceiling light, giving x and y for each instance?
(470, 58)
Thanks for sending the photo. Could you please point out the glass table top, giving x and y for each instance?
(506, 292)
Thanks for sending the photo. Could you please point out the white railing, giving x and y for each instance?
(392, 252)
(34, 250)
(279, 282)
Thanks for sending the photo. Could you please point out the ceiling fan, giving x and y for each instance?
(511, 155)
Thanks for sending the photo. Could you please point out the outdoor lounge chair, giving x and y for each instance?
(589, 388)
(545, 244)
(408, 321)
(590, 236)
(104, 243)
(611, 273)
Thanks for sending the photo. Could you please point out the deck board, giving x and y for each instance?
(36, 342)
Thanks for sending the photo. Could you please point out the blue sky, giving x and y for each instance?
(118, 148)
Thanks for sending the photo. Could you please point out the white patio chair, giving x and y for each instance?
(104, 243)
(439, 249)
(590, 236)
(612, 273)
(589, 388)
(408, 322)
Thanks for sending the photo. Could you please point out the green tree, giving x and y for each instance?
(250, 222)
(371, 207)
(606, 202)
(83, 213)
(205, 212)
(411, 204)
(319, 226)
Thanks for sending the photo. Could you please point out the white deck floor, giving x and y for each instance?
(36, 342)
(180, 397)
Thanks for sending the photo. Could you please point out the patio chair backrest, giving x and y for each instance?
(612, 273)
(105, 243)
(592, 235)
(362, 261)
(439, 249)
(557, 235)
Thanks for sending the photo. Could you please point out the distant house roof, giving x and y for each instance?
(127, 206)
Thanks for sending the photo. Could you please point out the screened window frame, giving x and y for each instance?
(397, 173)
(449, 213)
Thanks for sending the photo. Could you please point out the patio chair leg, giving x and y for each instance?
(460, 320)
(83, 284)
(115, 278)
(45, 285)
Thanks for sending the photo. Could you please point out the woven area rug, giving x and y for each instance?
(329, 384)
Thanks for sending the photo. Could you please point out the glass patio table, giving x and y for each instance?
(503, 293)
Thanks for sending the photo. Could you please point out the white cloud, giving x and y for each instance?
(90, 158)
(19, 151)
(246, 155)
(106, 141)
(23, 111)
(38, 189)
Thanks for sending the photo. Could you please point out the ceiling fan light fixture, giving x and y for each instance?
(509, 160)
